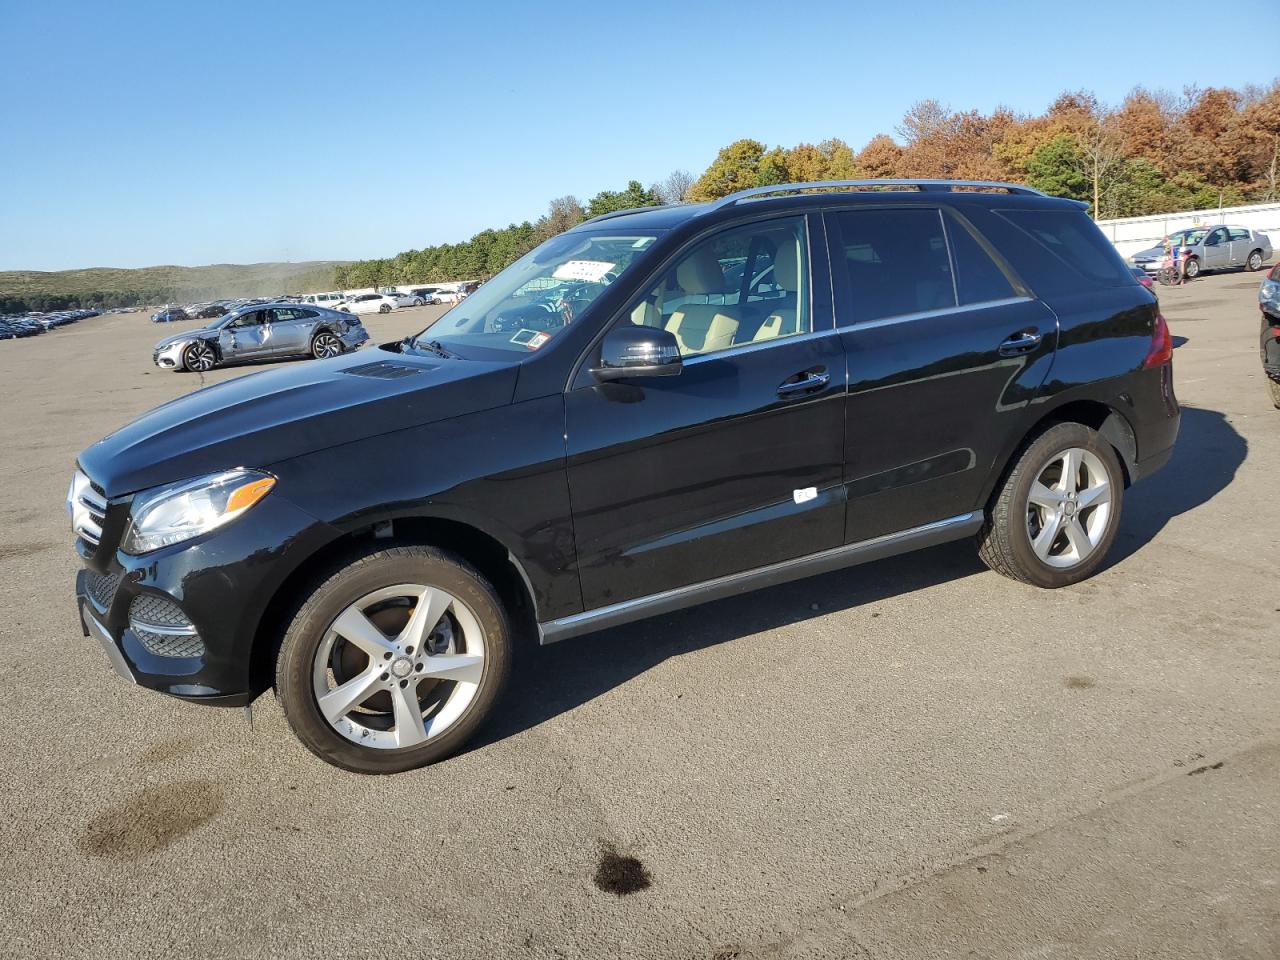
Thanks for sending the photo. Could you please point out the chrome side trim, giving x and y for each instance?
(164, 629)
(929, 534)
(929, 314)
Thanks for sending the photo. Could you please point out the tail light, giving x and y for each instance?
(1161, 349)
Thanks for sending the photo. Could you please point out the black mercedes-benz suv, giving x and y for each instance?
(657, 408)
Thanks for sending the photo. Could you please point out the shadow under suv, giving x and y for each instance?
(657, 408)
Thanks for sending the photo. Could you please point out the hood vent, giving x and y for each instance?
(386, 370)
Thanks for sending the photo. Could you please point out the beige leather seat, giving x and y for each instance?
(784, 318)
(702, 327)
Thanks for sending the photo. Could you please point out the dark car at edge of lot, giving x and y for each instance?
(1269, 336)
(658, 408)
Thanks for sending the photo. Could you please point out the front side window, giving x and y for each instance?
(539, 295)
(247, 320)
(897, 262)
(744, 286)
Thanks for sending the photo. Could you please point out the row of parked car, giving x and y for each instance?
(334, 300)
(16, 326)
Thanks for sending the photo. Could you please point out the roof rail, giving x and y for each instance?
(942, 185)
(618, 213)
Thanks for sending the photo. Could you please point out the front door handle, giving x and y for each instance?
(1024, 341)
(806, 382)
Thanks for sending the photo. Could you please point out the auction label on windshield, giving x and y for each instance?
(592, 271)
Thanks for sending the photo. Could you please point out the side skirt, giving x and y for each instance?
(931, 534)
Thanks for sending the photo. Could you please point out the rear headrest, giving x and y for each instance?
(701, 273)
(786, 265)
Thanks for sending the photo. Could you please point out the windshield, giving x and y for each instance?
(536, 297)
(1186, 238)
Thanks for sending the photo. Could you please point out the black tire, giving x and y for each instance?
(375, 570)
(1254, 263)
(1192, 268)
(320, 345)
(1275, 392)
(199, 358)
(1004, 543)
(384, 308)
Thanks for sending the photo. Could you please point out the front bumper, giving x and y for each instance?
(168, 358)
(222, 583)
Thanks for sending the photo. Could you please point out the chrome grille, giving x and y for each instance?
(88, 508)
(163, 629)
(101, 588)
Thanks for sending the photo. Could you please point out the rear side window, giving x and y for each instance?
(1073, 245)
(1238, 234)
(978, 279)
(897, 262)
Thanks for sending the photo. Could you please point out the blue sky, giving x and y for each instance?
(191, 133)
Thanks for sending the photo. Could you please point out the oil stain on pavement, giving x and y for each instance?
(151, 820)
(620, 875)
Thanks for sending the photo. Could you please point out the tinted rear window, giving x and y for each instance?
(897, 262)
(1073, 244)
(978, 279)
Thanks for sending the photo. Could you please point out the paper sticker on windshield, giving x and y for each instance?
(592, 271)
(537, 340)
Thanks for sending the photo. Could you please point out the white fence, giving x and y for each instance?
(1132, 234)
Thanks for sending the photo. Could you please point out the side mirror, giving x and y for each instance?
(634, 351)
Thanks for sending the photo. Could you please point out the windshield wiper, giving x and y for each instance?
(435, 346)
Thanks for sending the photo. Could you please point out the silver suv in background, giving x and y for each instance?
(1211, 248)
(261, 330)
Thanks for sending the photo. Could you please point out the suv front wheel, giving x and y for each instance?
(394, 661)
(1057, 514)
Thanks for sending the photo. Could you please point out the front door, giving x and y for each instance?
(945, 353)
(736, 462)
(1217, 249)
(248, 335)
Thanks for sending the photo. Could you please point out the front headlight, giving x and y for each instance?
(184, 510)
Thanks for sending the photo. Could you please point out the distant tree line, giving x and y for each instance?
(99, 300)
(1154, 153)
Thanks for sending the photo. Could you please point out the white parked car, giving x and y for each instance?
(330, 299)
(370, 303)
(450, 296)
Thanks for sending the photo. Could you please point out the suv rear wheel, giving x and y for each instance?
(394, 661)
(1057, 514)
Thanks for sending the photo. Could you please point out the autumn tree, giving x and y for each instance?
(735, 167)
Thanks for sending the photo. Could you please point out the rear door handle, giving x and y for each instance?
(806, 382)
(1021, 342)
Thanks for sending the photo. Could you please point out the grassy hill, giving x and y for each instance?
(115, 287)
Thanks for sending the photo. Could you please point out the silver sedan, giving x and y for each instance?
(260, 330)
(1211, 248)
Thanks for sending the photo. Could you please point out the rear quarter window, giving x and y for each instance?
(1066, 250)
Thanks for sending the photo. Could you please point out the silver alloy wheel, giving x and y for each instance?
(325, 346)
(199, 357)
(1069, 507)
(1192, 269)
(399, 666)
(384, 308)
(1255, 260)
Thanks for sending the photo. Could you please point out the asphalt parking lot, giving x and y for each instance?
(911, 759)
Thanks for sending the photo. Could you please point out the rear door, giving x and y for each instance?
(292, 330)
(945, 349)
(1241, 245)
(736, 463)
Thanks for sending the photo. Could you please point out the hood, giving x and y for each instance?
(269, 417)
(1150, 252)
(186, 335)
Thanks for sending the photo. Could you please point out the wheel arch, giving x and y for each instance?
(494, 561)
(1110, 423)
